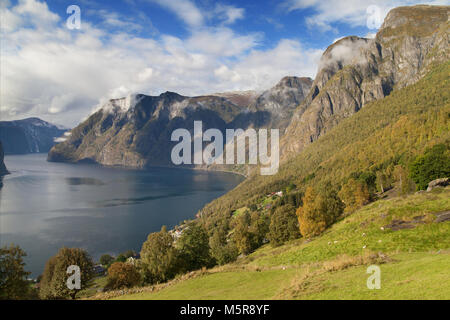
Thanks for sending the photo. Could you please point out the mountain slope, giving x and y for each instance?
(389, 131)
(136, 131)
(30, 135)
(355, 71)
(334, 265)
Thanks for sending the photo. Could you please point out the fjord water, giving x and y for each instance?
(45, 206)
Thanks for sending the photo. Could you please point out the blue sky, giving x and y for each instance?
(192, 47)
(271, 19)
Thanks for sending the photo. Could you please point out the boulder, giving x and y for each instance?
(443, 182)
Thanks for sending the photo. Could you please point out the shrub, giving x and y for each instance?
(122, 275)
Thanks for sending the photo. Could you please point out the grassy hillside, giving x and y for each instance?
(413, 260)
(387, 132)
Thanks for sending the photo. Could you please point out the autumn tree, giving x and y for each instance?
(159, 257)
(54, 279)
(354, 194)
(319, 210)
(283, 225)
(13, 277)
(122, 275)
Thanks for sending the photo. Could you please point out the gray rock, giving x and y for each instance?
(443, 182)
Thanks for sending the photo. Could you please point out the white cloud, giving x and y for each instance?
(351, 12)
(229, 14)
(185, 10)
(61, 75)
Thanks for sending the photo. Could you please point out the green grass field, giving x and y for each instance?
(414, 262)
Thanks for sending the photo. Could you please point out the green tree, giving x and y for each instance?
(193, 248)
(242, 237)
(283, 225)
(122, 275)
(404, 183)
(432, 165)
(259, 227)
(159, 257)
(13, 277)
(54, 279)
(222, 251)
(106, 259)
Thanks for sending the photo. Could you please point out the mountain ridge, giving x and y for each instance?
(135, 131)
(30, 135)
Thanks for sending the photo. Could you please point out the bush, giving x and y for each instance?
(122, 275)
(432, 165)
(283, 225)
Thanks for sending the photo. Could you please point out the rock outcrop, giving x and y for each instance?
(443, 182)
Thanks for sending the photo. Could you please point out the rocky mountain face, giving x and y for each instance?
(355, 71)
(136, 131)
(3, 170)
(31, 135)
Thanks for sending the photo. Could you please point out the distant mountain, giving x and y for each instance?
(136, 131)
(3, 170)
(30, 135)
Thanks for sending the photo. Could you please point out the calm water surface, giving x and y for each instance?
(44, 206)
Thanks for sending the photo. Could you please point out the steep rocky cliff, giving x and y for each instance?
(355, 71)
(136, 131)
